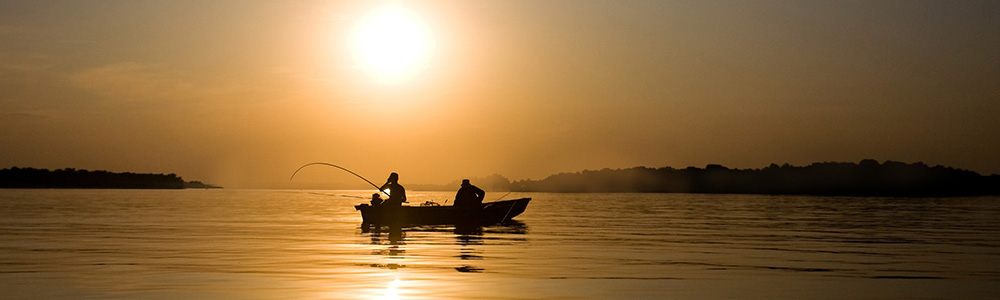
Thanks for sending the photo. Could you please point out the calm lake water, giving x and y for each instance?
(290, 244)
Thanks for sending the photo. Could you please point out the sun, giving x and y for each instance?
(391, 44)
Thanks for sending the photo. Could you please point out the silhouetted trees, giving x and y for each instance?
(78, 179)
(200, 185)
(866, 178)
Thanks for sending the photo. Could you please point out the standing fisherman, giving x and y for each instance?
(397, 194)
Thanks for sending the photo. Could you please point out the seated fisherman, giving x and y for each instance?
(469, 196)
(376, 199)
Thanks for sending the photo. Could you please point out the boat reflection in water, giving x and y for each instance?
(431, 261)
(391, 241)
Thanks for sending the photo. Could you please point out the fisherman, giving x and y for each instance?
(397, 194)
(376, 200)
(469, 196)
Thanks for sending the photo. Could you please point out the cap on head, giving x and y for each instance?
(393, 177)
(465, 182)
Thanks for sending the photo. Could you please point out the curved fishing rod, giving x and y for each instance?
(338, 167)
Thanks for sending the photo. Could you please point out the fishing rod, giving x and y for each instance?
(338, 167)
(521, 189)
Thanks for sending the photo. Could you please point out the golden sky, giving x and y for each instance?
(241, 93)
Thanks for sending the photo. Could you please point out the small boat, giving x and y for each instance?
(491, 213)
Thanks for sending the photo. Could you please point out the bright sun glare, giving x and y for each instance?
(391, 44)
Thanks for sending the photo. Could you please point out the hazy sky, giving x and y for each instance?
(241, 93)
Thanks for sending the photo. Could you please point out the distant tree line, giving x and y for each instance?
(866, 178)
(492, 183)
(70, 178)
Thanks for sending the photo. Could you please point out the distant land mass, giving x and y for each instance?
(866, 178)
(83, 179)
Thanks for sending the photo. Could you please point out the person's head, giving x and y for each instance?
(376, 196)
(465, 182)
(393, 177)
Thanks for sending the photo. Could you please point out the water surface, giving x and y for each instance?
(285, 244)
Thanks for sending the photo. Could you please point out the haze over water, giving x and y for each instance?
(284, 244)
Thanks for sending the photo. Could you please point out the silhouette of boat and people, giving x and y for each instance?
(468, 215)
(468, 208)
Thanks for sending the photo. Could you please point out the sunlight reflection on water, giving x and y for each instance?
(233, 244)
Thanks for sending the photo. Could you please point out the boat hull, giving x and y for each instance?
(491, 213)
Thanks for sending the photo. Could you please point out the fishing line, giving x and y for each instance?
(521, 189)
(338, 167)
